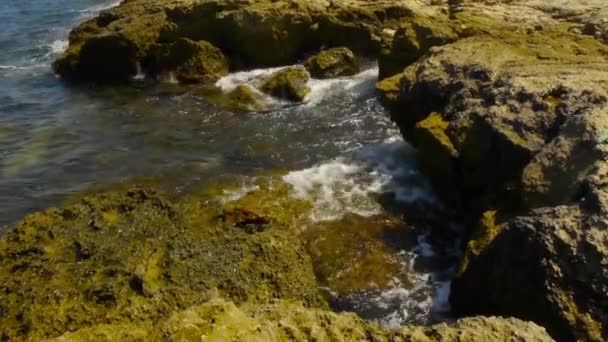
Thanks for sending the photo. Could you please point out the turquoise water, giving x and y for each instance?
(58, 139)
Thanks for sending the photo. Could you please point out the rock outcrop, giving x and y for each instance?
(250, 33)
(189, 61)
(120, 258)
(289, 84)
(221, 320)
(331, 63)
(510, 119)
(245, 98)
(549, 266)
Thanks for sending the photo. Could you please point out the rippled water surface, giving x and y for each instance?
(339, 147)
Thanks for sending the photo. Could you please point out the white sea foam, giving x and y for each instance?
(424, 299)
(250, 78)
(361, 83)
(320, 89)
(10, 67)
(101, 7)
(58, 46)
(352, 184)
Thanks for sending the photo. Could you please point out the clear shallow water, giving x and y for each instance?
(339, 149)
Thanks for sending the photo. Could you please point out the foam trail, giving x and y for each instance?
(361, 83)
(351, 184)
(250, 78)
(58, 46)
(101, 7)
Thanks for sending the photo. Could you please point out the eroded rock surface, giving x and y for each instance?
(510, 121)
(290, 84)
(549, 266)
(120, 258)
(251, 33)
(221, 320)
(330, 63)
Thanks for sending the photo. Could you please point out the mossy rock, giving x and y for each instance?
(245, 98)
(331, 63)
(222, 320)
(290, 84)
(133, 256)
(437, 154)
(190, 61)
(547, 267)
(258, 33)
(352, 254)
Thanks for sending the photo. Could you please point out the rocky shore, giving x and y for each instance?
(505, 101)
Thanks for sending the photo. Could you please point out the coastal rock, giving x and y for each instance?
(222, 320)
(331, 63)
(245, 98)
(290, 84)
(250, 33)
(558, 276)
(350, 255)
(132, 256)
(512, 127)
(189, 61)
(510, 114)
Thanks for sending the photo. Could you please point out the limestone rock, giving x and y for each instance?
(520, 121)
(522, 113)
(290, 84)
(250, 33)
(331, 63)
(135, 257)
(190, 61)
(245, 98)
(550, 267)
(221, 320)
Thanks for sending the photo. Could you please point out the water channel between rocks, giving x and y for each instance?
(338, 150)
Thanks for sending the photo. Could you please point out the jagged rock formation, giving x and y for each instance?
(133, 256)
(506, 101)
(250, 33)
(221, 320)
(510, 119)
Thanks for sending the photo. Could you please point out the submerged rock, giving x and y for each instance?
(221, 320)
(121, 258)
(290, 84)
(353, 253)
(330, 63)
(190, 61)
(245, 98)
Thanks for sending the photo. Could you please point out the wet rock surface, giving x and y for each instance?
(189, 61)
(332, 63)
(510, 122)
(222, 320)
(128, 257)
(250, 33)
(506, 102)
(288, 84)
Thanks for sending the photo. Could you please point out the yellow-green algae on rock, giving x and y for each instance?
(221, 320)
(133, 256)
(349, 254)
(334, 62)
(251, 33)
(290, 84)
